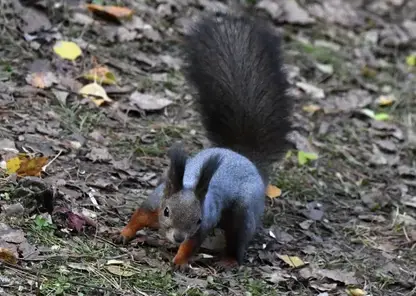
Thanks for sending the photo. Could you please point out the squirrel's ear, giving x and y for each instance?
(174, 178)
(208, 170)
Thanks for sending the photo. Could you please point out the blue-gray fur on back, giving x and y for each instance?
(236, 181)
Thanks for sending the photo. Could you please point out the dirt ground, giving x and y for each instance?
(347, 212)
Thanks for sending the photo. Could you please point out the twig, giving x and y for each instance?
(46, 165)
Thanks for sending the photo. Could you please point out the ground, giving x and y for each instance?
(347, 212)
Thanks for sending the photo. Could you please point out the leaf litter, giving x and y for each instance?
(92, 185)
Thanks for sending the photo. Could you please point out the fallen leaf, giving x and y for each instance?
(325, 68)
(373, 115)
(386, 100)
(292, 261)
(313, 91)
(34, 20)
(348, 278)
(75, 221)
(7, 256)
(8, 145)
(304, 157)
(23, 165)
(149, 102)
(356, 292)
(313, 211)
(41, 80)
(31, 167)
(13, 164)
(67, 50)
(119, 270)
(411, 60)
(101, 74)
(306, 224)
(323, 286)
(273, 191)
(311, 108)
(112, 12)
(99, 155)
(275, 278)
(60, 95)
(10, 235)
(381, 116)
(94, 90)
(386, 145)
(350, 101)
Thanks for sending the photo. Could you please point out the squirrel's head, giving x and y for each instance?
(180, 216)
(181, 208)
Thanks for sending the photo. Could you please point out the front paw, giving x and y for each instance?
(180, 263)
(181, 267)
(121, 239)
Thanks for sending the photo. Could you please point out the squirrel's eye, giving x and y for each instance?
(199, 222)
(166, 212)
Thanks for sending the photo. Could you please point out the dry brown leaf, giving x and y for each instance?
(31, 166)
(273, 191)
(41, 80)
(7, 256)
(112, 12)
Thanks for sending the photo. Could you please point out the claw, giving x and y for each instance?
(121, 240)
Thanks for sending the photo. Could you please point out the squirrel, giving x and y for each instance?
(234, 64)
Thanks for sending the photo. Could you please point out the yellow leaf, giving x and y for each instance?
(292, 261)
(67, 50)
(7, 256)
(94, 90)
(273, 191)
(311, 108)
(100, 74)
(13, 164)
(356, 292)
(111, 11)
(386, 100)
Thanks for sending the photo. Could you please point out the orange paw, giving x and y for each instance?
(140, 219)
(184, 252)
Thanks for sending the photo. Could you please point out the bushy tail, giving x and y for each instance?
(235, 65)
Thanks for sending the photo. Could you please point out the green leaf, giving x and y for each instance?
(411, 60)
(381, 116)
(304, 157)
(375, 116)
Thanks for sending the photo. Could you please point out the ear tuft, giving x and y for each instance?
(207, 171)
(178, 158)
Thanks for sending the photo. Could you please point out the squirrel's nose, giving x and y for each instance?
(178, 237)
